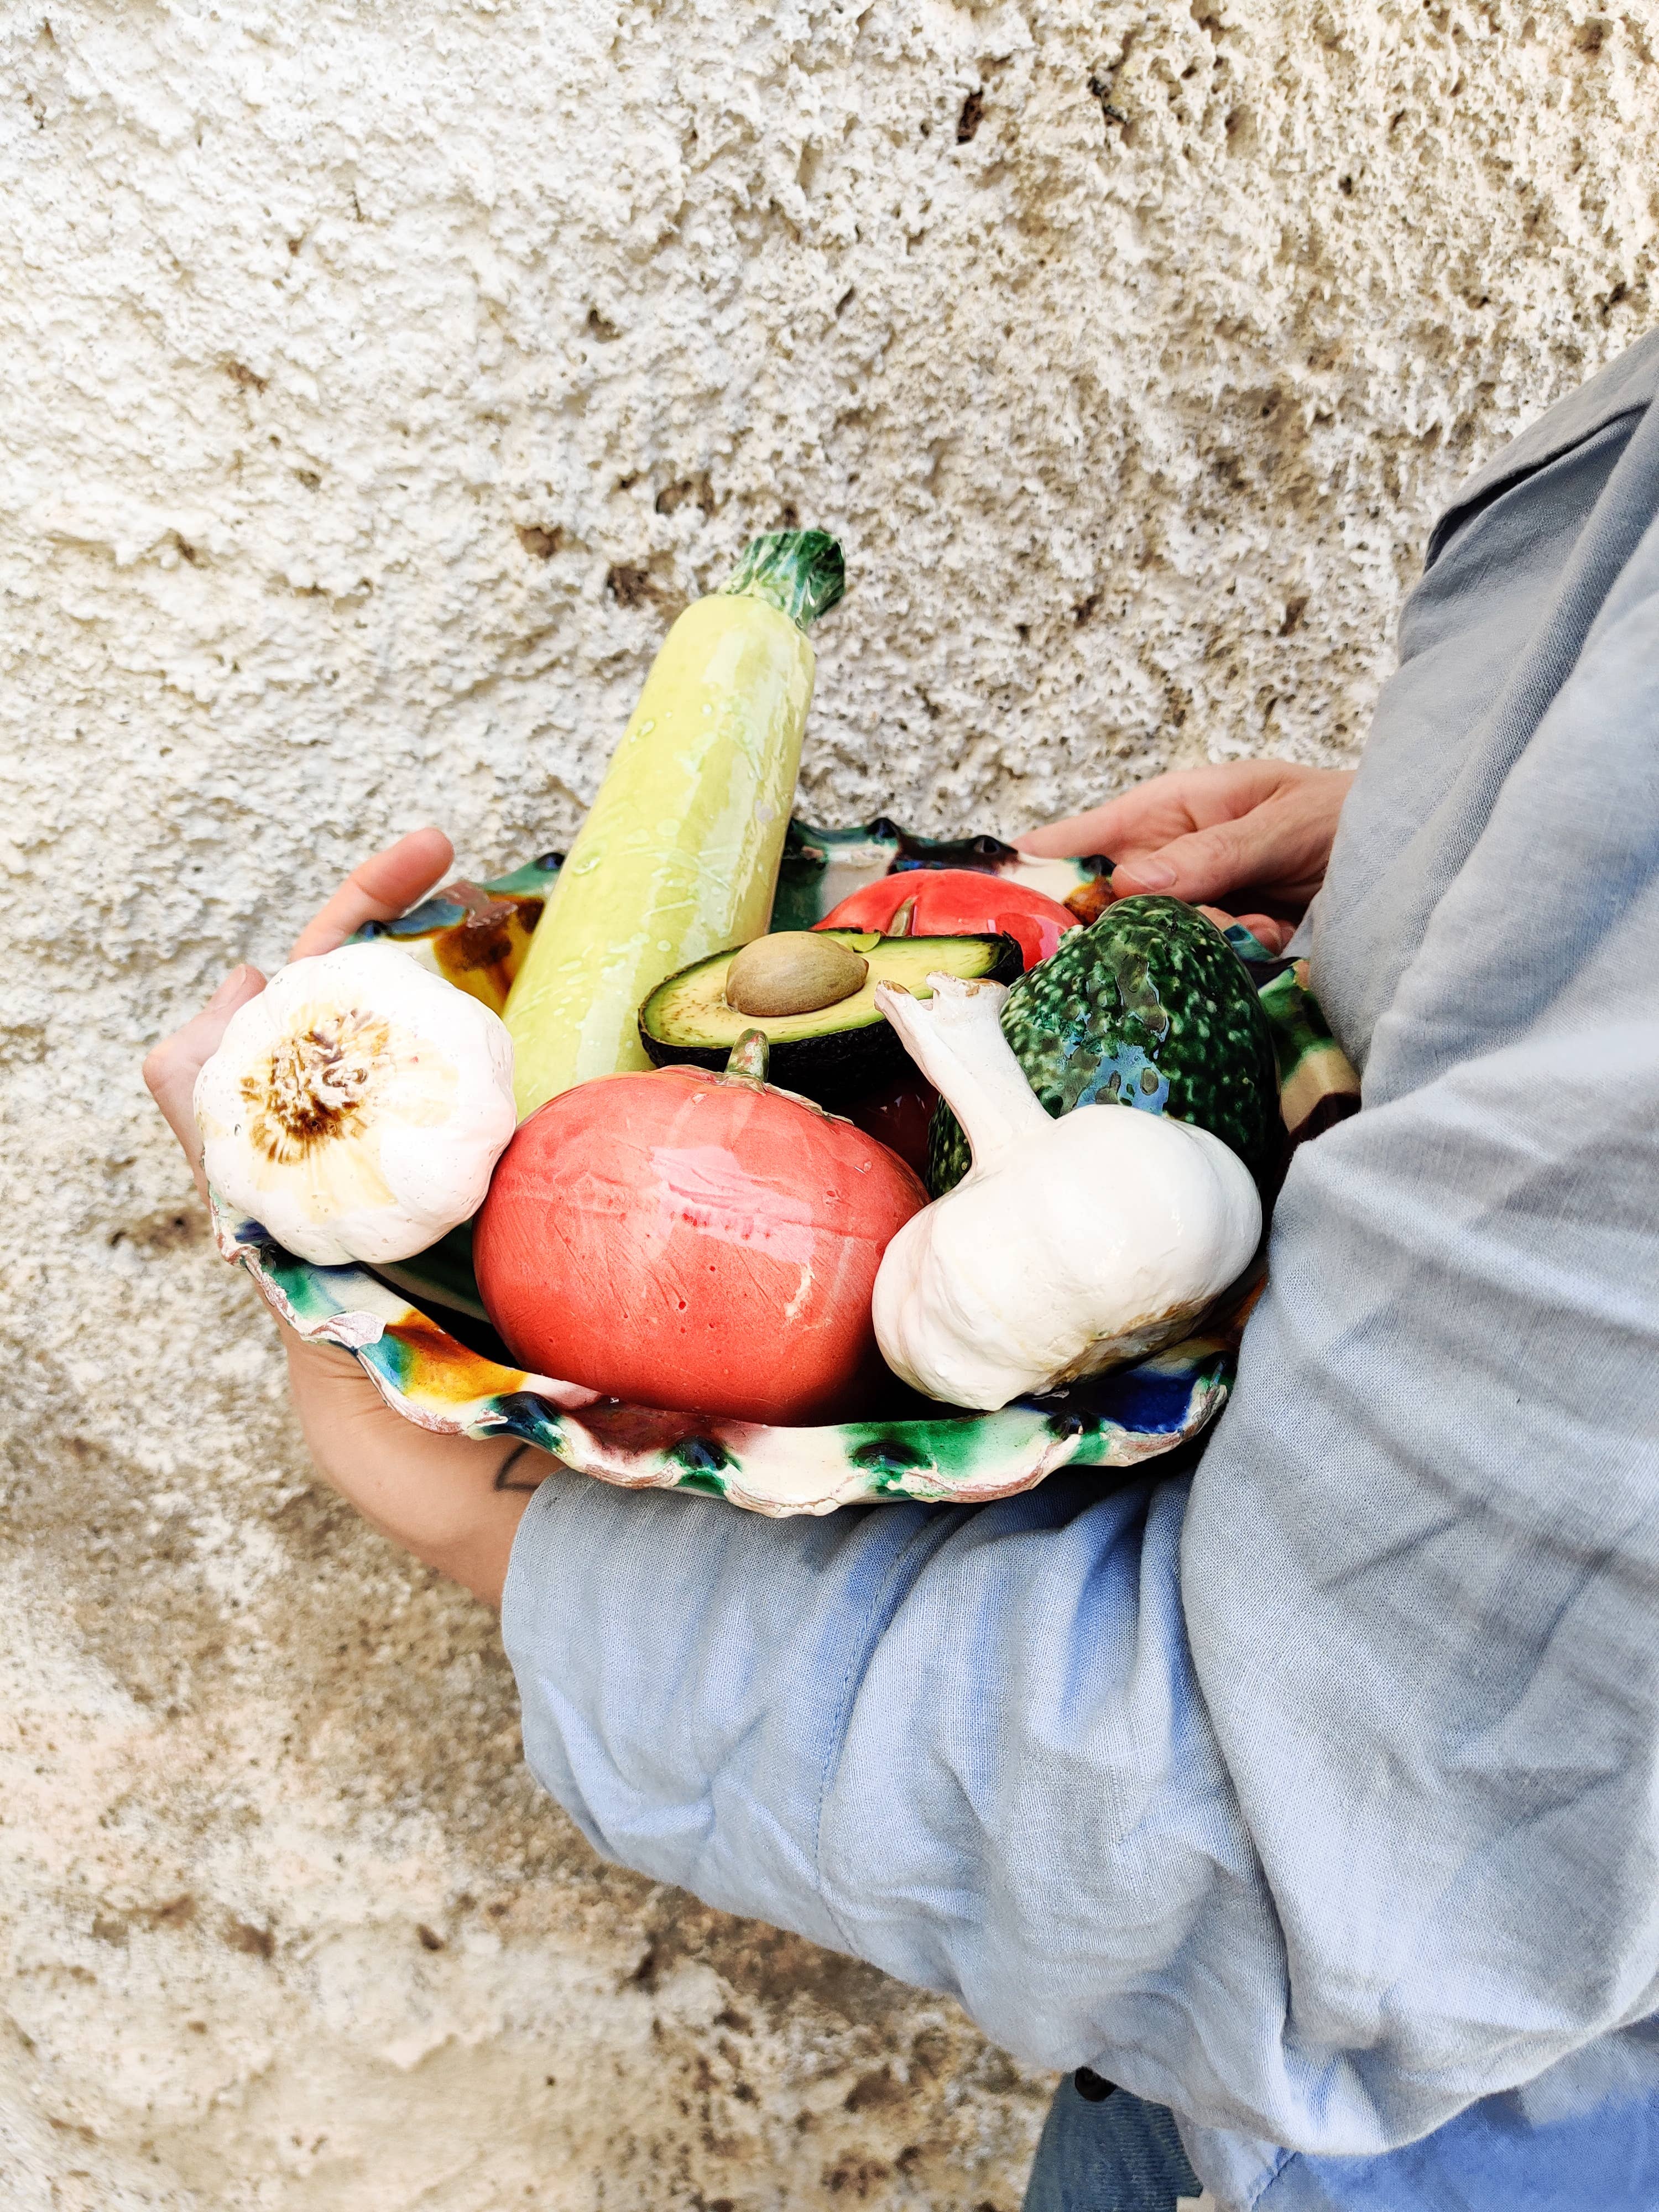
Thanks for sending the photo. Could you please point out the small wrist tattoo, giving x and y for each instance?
(504, 1473)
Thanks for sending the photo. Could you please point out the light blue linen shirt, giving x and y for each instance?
(1313, 1793)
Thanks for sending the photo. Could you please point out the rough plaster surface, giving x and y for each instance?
(378, 379)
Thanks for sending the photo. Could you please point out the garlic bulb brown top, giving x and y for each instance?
(357, 1108)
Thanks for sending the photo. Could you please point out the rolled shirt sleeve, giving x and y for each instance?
(1316, 1793)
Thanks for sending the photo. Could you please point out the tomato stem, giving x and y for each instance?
(748, 1061)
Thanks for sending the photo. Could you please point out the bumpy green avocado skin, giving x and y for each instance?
(1150, 1006)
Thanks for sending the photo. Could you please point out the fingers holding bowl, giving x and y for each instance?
(1270, 934)
(386, 885)
(171, 1070)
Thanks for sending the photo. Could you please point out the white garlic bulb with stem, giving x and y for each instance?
(357, 1106)
(1069, 1246)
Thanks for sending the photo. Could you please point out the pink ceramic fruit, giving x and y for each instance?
(955, 902)
(695, 1241)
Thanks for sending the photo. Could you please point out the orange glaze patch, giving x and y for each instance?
(431, 1365)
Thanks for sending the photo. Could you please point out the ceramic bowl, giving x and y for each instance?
(421, 1334)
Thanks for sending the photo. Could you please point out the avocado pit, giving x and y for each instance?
(795, 971)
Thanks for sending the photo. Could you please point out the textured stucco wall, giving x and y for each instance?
(378, 379)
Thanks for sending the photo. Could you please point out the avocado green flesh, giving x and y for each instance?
(836, 1051)
(1148, 1006)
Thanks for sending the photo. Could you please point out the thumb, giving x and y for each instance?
(1202, 868)
(171, 1071)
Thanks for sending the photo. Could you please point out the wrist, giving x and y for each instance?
(453, 1501)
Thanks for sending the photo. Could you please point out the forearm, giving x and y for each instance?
(963, 1744)
(454, 1502)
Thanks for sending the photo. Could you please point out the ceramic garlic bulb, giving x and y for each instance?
(357, 1108)
(1069, 1246)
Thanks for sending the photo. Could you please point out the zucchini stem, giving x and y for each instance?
(955, 1039)
(799, 572)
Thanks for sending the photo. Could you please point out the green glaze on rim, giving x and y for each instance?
(799, 572)
(430, 1378)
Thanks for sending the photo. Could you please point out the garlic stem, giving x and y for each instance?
(955, 1039)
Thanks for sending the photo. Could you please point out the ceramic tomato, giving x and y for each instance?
(899, 1115)
(955, 902)
(700, 1242)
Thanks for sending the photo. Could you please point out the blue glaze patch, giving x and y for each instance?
(703, 1459)
(1129, 1077)
(534, 1419)
(1142, 1399)
(419, 921)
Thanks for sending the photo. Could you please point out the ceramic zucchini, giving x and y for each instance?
(679, 856)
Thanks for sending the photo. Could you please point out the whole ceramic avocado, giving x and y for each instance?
(1150, 1006)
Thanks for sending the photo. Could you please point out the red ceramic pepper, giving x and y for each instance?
(700, 1242)
(955, 902)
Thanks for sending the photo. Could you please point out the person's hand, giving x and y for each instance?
(452, 1501)
(1248, 841)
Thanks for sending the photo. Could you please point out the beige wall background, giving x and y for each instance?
(379, 381)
